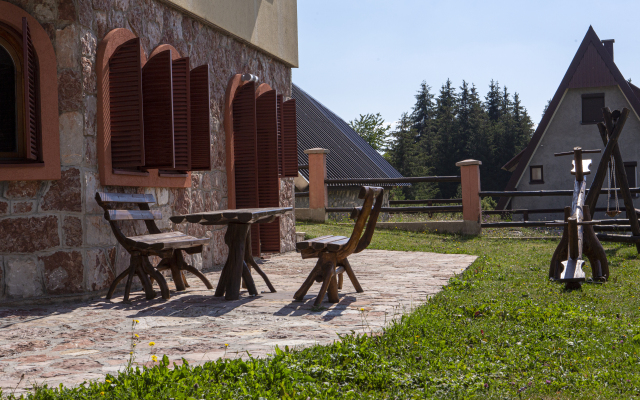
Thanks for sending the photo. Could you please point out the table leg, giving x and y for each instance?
(236, 241)
(248, 258)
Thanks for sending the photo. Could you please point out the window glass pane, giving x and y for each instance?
(8, 117)
(592, 109)
(631, 175)
(536, 173)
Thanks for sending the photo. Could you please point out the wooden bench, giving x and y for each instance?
(332, 251)
(166, 245)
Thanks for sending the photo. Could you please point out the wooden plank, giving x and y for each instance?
(120, 215)
(322, 243)
(126, 198)
(337, 245)
(604, 237)
(307, 243)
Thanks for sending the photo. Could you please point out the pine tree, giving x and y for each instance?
(446, 138)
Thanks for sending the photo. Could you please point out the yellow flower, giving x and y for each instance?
(108, 381)
(131, 352)
(362, 309)
(102, 393)
(152, 343)
(134, 344)
(154, 358)
(136, 335)
(226, 345)
(136, 321)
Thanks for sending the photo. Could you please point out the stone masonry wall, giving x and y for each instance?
(53, 237)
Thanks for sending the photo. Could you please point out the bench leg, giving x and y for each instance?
(146, 282)
(333, 289)
(132, 272)
(178, 280)
(115, 283)
(309, 281)
(222, 281)
(328, 276)
(155, 274)
(340, 281)
(194, 270)
(351, 274)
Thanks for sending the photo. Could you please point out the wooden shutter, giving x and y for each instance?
(181, 113)
(31, 106)
(200, 131)
(157, 100)
(290, 139)
(280, 141)
(268, 182)
(246, 154)
(125, 106)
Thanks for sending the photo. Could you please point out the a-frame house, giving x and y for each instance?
(591, 82)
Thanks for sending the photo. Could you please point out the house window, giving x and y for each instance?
(536, 174)
(592, 105)
(19, 137)
(631, 169)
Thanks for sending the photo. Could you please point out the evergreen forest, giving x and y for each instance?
(455, 125)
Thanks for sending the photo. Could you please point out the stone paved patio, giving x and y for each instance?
(72, 342)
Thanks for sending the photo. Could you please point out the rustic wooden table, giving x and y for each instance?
(238, 238)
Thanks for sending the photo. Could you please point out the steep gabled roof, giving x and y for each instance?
(350, 156)
(591, 66)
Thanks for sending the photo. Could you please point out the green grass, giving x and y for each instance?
(500, 330)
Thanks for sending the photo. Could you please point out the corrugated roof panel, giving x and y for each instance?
(350, 156)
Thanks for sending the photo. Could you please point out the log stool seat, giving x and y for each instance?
(332, 251)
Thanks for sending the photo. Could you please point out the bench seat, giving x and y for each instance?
(322, 242)
(168, 240)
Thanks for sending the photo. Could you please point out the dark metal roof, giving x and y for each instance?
(591, 66)
(350, 156)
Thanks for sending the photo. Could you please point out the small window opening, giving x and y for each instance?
(592, 105)
(8, 105)
(536, 174)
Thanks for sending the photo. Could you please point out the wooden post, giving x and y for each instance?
(318, 195)
(470, 181)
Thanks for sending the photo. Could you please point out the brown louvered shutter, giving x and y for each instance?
(125, 106)
(181, 114)
(280, 141)
(32, 120)
(268, 183)
(246, 154)
(200, 132)
(290, 139)
(157, 100)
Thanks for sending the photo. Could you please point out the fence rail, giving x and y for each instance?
(396, 210)
(415, 179)
(302, 194)
(527, 193)
(426, 201)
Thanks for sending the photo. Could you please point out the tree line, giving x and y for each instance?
(452, 126)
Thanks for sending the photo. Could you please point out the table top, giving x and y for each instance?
(238, 216)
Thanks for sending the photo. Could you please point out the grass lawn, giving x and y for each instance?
(500, 330)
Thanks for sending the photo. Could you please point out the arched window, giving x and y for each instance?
(19, 122)
(11, 145)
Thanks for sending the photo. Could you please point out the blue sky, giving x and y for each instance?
(359, 57)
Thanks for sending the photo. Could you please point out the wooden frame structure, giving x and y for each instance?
(168, 246)
(332, 251)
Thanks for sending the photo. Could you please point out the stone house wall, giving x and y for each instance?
(53, 237)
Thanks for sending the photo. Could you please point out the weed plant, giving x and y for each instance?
(500, 330)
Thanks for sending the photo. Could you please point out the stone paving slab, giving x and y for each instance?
(73, 342)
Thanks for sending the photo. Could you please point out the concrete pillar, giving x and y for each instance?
(470, 182)
(318, 195)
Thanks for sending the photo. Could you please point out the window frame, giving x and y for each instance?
(590, 96)
(19, 154)
(531, 180)
(47, 167)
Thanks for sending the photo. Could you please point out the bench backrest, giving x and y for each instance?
(358, 242)
(111, 214)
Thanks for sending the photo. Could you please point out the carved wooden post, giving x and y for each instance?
(318, 194)
(470, 181)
